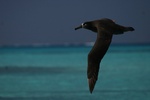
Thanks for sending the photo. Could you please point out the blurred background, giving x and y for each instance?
(43, 57)
(53, 22)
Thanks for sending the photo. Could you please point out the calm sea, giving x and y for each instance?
(59, 73)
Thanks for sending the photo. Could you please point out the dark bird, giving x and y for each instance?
(105, 28)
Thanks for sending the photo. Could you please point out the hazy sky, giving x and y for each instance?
(53, 21)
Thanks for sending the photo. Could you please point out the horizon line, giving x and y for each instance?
(88, 44)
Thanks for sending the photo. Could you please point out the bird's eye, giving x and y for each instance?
(84, 24)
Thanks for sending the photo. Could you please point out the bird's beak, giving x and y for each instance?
(78, 27)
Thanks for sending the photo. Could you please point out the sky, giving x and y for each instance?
(26, 22)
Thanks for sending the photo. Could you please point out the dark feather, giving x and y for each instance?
(105, 28)
(95, 56)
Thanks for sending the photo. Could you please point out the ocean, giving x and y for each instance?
(60, 73)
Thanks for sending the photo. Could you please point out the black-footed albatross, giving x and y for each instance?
(105, 28)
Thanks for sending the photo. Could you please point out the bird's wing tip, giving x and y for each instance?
(91, 82)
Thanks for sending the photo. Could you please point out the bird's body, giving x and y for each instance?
(105, 28)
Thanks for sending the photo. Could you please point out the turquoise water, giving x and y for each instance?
(59, 73)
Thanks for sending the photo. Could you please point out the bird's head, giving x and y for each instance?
(85, 25)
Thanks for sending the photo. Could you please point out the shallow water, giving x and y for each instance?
(59, 73)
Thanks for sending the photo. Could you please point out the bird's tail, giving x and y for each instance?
(129, 29)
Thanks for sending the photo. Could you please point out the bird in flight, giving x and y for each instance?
(105, 28)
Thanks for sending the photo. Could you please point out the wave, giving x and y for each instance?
(37, 70)
(130, 51)
(81, 95)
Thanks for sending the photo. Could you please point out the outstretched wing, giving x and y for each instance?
(95, 56)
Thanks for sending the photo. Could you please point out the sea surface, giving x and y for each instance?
(59, 73)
